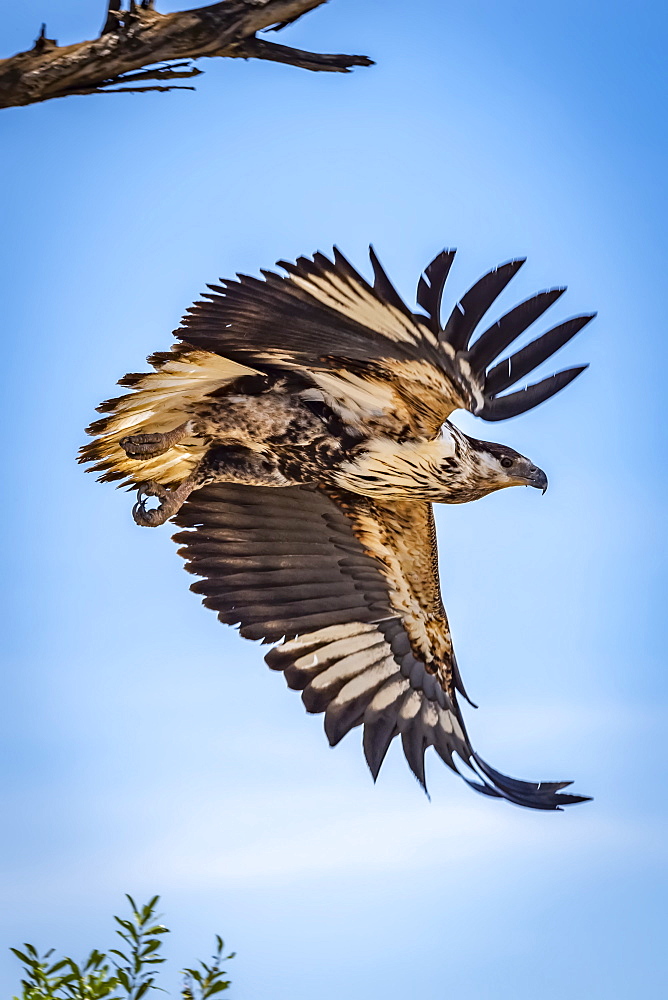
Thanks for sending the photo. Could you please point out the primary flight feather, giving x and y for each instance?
(298, 431)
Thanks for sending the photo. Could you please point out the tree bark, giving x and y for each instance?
(135, 39)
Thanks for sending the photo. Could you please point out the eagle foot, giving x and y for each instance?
(143, 446)
(171, 502)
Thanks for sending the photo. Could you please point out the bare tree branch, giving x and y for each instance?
(259, 48)
(134, 39)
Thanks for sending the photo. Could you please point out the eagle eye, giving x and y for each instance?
(506, 462)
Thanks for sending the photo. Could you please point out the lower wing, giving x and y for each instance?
(348, 588)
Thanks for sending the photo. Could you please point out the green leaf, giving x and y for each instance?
(194, 974)
(68, 978)
(151, 946)
(57, 967)
(150, 906)
(124, 979)
(22, 956)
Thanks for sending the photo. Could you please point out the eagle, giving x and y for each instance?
(298, 433)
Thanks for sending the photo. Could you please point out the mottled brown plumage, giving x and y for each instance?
(299, 434)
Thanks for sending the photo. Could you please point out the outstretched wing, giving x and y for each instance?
(349, 589)
(362, 343)
(365, 351)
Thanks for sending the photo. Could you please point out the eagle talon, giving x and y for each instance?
(155, 516)
(151, 489)
(171, 502)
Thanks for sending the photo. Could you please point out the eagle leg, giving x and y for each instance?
(143, 446)
(221, 464)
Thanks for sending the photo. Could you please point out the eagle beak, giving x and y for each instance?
(537, 478)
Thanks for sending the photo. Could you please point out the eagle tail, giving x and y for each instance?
(158, 402)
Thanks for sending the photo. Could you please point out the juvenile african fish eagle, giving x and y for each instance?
(298, 431)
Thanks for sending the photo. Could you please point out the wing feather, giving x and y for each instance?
(501, 334)
(510, 371)
(380, 720)
(472, 306)
(431, 286)
(353, 600)
(502, 407)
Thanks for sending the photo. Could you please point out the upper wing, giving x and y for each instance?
(351, 588)
(368, 356)
(362, 343)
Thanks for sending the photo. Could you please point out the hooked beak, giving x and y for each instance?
(537, 478)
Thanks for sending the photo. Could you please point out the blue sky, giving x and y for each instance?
(146, 748)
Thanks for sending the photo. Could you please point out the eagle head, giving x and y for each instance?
(480, 467)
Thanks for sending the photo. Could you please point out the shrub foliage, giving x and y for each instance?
(128, 972)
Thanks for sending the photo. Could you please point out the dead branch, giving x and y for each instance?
(140, 44)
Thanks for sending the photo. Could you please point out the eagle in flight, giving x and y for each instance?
(298, 434)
